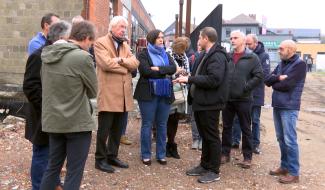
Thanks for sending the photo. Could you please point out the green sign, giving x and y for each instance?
(271, 44)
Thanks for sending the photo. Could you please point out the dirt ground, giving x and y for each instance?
(15, 156)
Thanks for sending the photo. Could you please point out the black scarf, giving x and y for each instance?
(119, 42)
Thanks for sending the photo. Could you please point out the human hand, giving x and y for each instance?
(282, 77)
(181, 79)
(154, 68)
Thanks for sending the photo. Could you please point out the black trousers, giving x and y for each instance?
(243, 111)
(207, 124)
(74, 147)
(110, 127)
(172, 125)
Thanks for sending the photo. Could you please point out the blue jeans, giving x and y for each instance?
(286, 134)
(125, 123)
(236, 131)
(40, 158)
(195, 132)
(155, 110)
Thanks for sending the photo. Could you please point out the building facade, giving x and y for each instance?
(20, 21)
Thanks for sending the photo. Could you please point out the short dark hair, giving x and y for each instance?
(153, 35)
(48, 19)
(80, 31)
(210, 33)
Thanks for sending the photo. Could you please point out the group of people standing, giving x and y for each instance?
(60, 80)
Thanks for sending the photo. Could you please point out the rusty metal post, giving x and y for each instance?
(176, 26)
(180, 25)
(188, 18)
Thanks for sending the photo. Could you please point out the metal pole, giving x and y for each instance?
(188, 18)
(176, 26)
(180, 26)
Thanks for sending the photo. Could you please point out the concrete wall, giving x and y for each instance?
(20, 21)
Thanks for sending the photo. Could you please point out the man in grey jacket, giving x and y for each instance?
(68, 82)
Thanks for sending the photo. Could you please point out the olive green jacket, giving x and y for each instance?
(68, 82)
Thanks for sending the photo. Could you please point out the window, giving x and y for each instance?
(228, 31)
(248, 31)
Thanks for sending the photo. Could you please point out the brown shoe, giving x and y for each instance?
(224, 159)
(246, 164)
(125, 140)
(278, 172)
(287, 179)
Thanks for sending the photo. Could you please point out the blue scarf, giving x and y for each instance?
(159, 87)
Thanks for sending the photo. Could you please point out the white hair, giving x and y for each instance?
(238, 32)
(115, 21)
(77, 19)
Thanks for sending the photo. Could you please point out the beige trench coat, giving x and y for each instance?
(114, 80)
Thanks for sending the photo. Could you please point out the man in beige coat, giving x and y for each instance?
(114, 62)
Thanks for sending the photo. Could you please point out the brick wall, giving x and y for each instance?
(20, 21)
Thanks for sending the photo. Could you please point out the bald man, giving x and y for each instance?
(287, 81)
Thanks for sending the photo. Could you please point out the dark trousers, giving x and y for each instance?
(110, 126)
(207, 124)
(39, 163)
(74, 147)
(172, 125)
(243, 111)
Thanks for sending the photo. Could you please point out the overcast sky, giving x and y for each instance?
(279, 13)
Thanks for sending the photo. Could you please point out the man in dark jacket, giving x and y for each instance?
(258, 93)
(32, 87)
(287, 81)
(245, 75)
(208, 95)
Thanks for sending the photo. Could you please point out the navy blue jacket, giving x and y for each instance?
(245, 75)
(259, 91)
(287, 93)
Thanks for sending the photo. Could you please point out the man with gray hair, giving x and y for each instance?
(245, 74)
(115, 62)
(68, 82)
(257, 47)
(32, 87)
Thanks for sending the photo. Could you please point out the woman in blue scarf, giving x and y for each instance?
(154, 93)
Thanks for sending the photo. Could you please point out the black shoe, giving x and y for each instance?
(196, 171)
(118, 163)
(168, 150)
(146, 162)
(173, 151)
(257, 150)
(209, 177)
(162, 161)
(235, 146)
(103, 166)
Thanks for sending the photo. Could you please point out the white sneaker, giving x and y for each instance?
(195, 144)
(200, 145)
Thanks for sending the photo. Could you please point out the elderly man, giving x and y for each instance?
(115, 63)
(245, 74)
(32, 87)
(40, 38)
(258, 93)
(68, 82)
(287, 81)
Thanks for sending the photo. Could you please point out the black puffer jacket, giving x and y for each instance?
(211, 81)
(245, 75)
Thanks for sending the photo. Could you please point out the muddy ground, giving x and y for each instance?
(15, 155)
